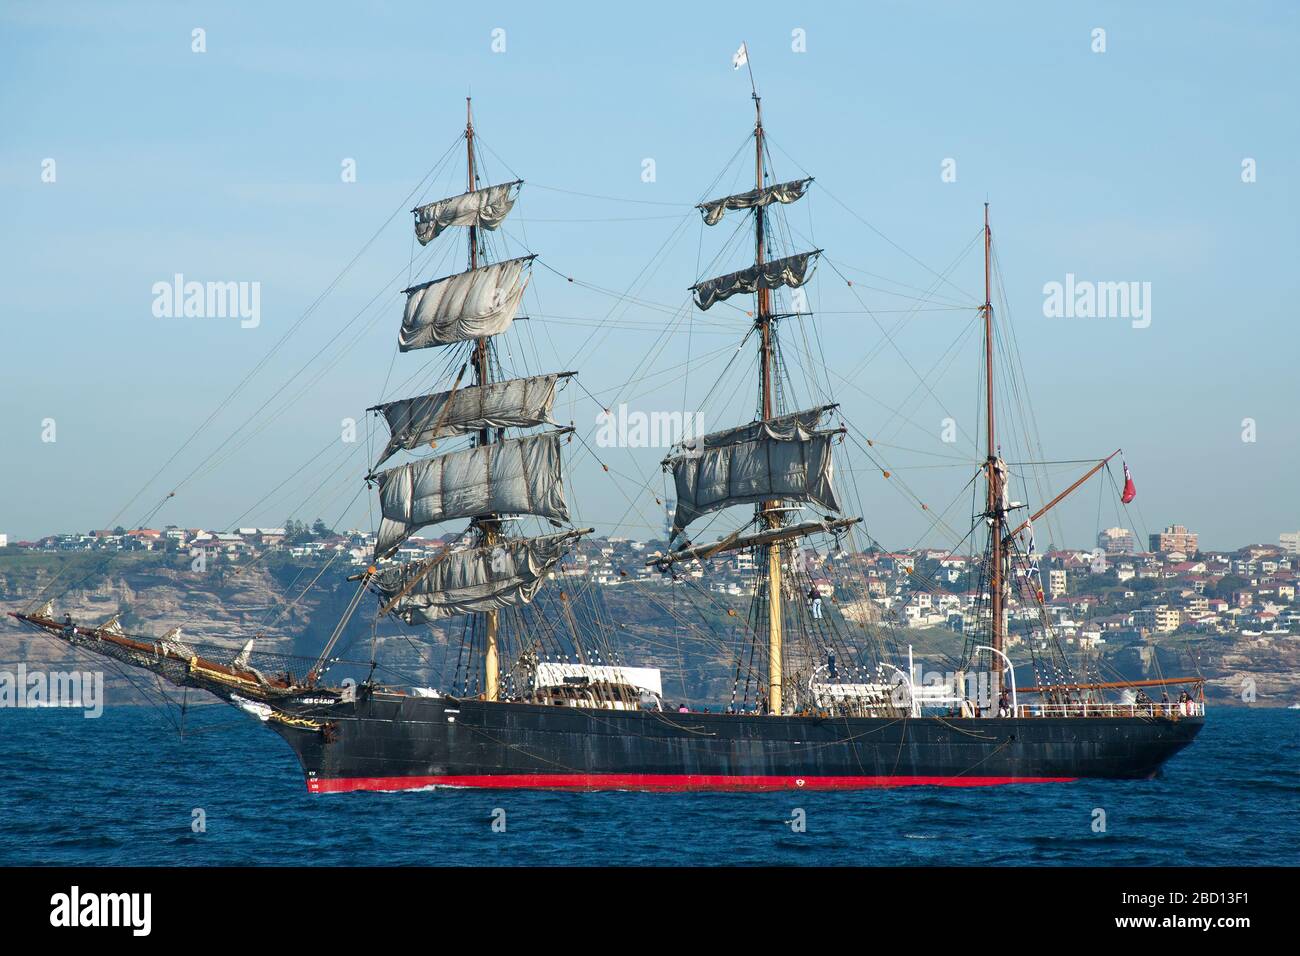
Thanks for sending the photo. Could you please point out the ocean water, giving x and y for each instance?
(124, 788)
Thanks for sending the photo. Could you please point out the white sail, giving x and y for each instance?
(485, 208)
(791, 271)
(469, 305)
(513, 403)
(781, 192)
(507, 574)
(516, 476)
(793, 464)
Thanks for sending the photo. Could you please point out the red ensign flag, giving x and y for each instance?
(1130, 490)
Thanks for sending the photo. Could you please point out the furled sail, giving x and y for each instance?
(516, 476)
(781, 192)
(778, 458)
(788, 426)
(506, 574)
(469, 305)
(513, 403)
(791, 271)
(485, 208)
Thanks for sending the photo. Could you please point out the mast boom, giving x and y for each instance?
(1061, 497)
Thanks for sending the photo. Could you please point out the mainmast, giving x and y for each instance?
(785, 456)
(995, 512)
(487, 525)
(769, 511)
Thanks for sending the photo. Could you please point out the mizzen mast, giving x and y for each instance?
(996, 477)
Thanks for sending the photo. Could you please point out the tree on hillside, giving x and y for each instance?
(1224, 587)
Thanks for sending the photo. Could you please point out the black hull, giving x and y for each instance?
(394, 742)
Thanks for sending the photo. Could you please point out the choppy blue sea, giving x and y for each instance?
(124, 788)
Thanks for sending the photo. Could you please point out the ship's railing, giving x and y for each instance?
(1188, 708)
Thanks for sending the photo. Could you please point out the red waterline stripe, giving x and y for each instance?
(656, 781)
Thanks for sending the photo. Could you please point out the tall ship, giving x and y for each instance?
(822, 695)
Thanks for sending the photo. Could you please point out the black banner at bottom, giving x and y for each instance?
(325, 906)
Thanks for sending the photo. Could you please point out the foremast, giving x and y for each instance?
(488, 524)
(496, 476)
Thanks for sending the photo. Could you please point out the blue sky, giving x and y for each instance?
(225, 166)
